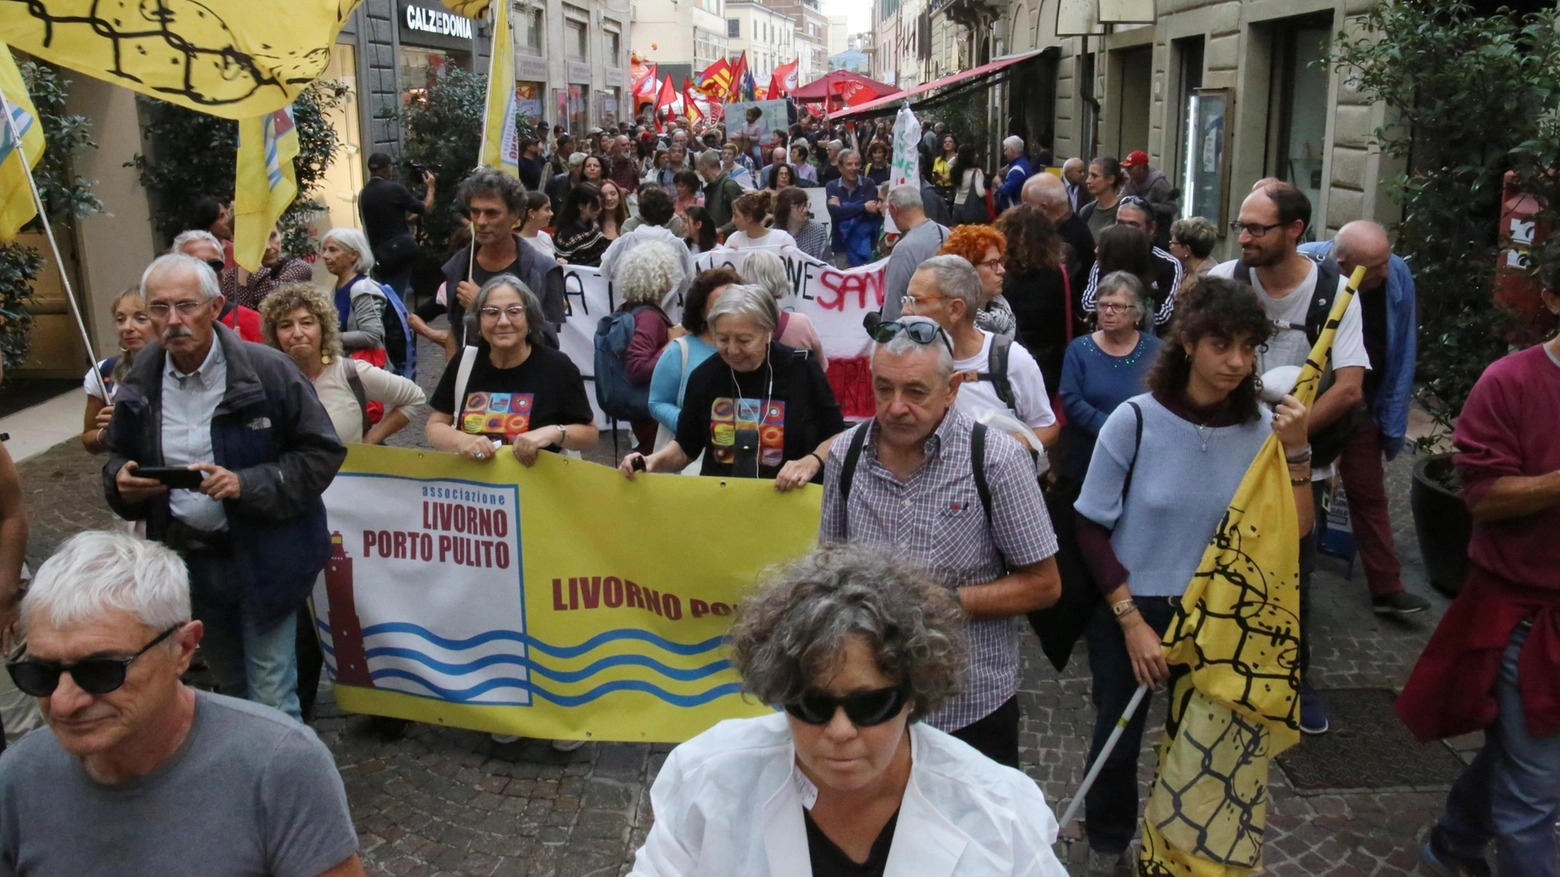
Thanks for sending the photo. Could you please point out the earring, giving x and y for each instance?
(325, 358)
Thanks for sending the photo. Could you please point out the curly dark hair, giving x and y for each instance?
(792, 631)
(1216, 307)
(1032, 242)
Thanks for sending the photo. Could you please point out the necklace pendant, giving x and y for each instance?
(1205, 446)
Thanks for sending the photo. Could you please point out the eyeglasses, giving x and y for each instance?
(919, 332)
(92, 675)
(864, 709)
(1134, 200)
(992, 264)
(1105, 308)
(162, 309)
(513, 312)
(1255, 229)
(216, 265)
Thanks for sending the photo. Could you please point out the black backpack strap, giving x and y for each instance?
(1242, 272)
(1137, 445)
(358, 393)
(978, 464)
(997, 371)
(1322, 299)
(858, 440)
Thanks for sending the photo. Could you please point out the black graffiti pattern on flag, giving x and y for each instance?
(1263, 636)
(214, 66)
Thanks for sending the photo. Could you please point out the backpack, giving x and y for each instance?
(858, 440)
(400, 343)
(615, 393)
(997, 371)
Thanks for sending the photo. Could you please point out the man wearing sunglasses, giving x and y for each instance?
(203, 245)
(904, 480)
(143, 775)
(246, 423)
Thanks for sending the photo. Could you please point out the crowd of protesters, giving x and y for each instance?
(1125, 367)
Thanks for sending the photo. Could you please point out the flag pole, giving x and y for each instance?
(48, 232)
(487, 101)
(1099, 763)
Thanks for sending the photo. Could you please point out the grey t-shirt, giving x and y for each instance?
(918, 245)
(251, 792)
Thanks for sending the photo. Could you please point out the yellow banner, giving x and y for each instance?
(561, 601)
(229, 58)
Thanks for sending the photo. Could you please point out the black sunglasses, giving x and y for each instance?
(216, 264)
(864, 709)
(919, 332)
(92, 675)
(1134, 200)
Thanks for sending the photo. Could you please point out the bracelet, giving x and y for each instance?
(1302, 456)
(1124, 613)
(102, 436)
(814, 455)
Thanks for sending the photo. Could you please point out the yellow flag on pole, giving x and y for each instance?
(265, 183)
(500, 134)
(231, 58)
(17, 207)
(1238, 631)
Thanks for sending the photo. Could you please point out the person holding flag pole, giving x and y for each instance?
(1201, 584)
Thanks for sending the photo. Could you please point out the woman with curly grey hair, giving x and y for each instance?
(853, 647)
(643, 278)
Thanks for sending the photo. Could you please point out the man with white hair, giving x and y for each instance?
(904, 479)
(142, 774)
(205, 246)
(244, 449)
(919, 240)
(1018, 171)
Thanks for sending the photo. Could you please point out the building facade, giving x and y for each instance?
(691, 32)
(767, 35)
(812, 37)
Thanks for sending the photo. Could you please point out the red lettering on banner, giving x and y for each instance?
(614, 592)
(858, 284)
(635, 599)
(851, 380)
(590, 589)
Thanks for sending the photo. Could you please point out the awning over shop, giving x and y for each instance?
(840, 84)
(884, 104)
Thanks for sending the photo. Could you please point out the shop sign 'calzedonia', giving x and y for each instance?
(437, 21)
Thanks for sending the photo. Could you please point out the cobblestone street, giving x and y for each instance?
(444, 801)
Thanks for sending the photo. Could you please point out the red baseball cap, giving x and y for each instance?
(1136, 158)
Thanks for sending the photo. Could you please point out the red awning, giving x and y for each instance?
(944, 82)
(834, 83)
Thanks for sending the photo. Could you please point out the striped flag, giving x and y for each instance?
(265, 183)
(17, 207)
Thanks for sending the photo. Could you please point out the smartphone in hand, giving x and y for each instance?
(171, 477)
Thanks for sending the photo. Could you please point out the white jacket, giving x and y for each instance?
(645, 234)
(729, 802)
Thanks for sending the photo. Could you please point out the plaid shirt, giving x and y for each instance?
(935, 519)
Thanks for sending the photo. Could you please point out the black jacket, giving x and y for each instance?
(272, 432)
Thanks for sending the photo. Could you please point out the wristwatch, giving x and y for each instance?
(1123, 607)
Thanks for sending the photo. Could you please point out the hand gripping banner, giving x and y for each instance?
(561, 601)
(1237, 631)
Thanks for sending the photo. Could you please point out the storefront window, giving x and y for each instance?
(609, 108)
(579, 108)
(418, 63)
(528, 96)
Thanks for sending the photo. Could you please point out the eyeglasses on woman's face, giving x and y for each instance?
(515, 313)
(1116, 308)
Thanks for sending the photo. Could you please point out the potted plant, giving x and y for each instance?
(1470, 97)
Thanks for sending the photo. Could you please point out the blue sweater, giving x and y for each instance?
(670, 378)
(1161, 531)
(1093, 384)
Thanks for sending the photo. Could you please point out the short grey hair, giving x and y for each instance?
(709, 158)
(902, 344)
(746, 300)
(844, 154)
(354, 240)
(766, 269)
(535, 320)
(1198, 234)
(792, 631)
(957, 279)
(1013, 142)
(577, 160)
(194, 234)
(905, 197)
(1125, 283)
(99, 571)
(210, 287)
(646, 273)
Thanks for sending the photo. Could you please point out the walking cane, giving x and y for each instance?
(1099, 763)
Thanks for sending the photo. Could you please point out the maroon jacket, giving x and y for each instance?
(650, 337)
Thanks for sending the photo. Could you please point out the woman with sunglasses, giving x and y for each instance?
(856, 648)
(757, 409)
(1164, 469)
(510, 388)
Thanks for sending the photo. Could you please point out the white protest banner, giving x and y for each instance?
(905, 166)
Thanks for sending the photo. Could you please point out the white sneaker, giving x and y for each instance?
(567, 745)
(504, 738)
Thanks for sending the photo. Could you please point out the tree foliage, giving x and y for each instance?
(443, 133)
(1470, 97)
(194, 155)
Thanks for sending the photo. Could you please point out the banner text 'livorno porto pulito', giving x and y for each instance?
(561, 601)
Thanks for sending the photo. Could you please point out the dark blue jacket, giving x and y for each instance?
(1012, 189)
(272, 432)
(855, 230)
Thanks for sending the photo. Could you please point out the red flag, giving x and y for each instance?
(666, 98)
(690, 111)
(644, 86)
(716, 79)
(782, 81)
(738, 71)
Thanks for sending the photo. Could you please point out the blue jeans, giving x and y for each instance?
(248, 662)
(1511, 792)
(1111, 807)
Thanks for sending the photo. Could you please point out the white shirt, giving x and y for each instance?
(1290, 345)
(647, 233)
(188, 403)
(543, 243)
(775, 238)
(394, 392)
(1029, 395)
(730, 801)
